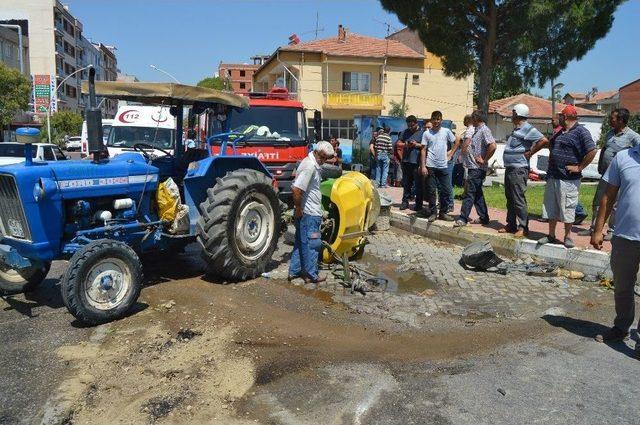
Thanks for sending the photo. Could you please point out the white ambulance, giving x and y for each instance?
(151, 126)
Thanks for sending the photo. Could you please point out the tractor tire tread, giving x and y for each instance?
(213, 226)
(69, 284)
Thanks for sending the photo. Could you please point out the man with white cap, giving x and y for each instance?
(308, 215)
(524, 141)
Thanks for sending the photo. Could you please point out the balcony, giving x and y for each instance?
(349, 100)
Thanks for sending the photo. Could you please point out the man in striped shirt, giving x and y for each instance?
(384, 151)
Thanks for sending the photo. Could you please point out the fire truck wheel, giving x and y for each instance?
(16, 281)
(239, 225)
(103, 281)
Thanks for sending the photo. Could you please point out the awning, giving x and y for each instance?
(165, 93)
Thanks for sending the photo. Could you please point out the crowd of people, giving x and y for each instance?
(425, 159)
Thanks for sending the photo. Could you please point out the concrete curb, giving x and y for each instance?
(589, 262)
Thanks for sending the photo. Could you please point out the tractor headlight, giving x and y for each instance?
(38, 191)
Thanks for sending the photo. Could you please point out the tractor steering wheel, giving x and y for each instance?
(140, 147)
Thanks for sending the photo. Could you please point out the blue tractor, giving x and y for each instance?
(101, 214)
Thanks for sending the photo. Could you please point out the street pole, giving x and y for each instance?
(404, 93)
(56, 93)
(165, 72)
(20, 59)
(553, 100)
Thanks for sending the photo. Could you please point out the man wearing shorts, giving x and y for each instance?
(571, 150)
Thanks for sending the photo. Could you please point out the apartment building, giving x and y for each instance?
(10, 45)
(353, 74)
(57, 48)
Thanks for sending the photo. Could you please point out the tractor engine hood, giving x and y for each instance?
(32, 198)
(124, 175)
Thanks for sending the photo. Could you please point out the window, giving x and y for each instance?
(415, 79)
(58, 153)
(243, 73)
(243, 86)
(70, 91)
(342, 129)
(48, 154)
(356, 81)
(384, 78)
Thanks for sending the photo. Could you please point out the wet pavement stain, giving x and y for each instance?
(398, 282)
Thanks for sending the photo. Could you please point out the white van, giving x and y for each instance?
(153, 126)
(84, 145)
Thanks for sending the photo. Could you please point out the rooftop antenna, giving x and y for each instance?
(317, 23)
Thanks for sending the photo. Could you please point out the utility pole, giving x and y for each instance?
(404, 93)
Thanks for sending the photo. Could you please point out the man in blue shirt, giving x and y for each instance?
(434, 165)
(623, 184)
(571, 150)
(620, 137)
(411, 142)
(525, 141)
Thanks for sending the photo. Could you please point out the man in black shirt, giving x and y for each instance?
(411, 142)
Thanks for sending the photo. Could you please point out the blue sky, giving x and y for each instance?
(188, 38)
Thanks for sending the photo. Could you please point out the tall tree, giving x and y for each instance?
(213, 83)
(531, 41)
(15, 89)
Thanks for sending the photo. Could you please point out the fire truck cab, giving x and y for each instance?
(279, 136)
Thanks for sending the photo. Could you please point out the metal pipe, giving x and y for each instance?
(20, 58)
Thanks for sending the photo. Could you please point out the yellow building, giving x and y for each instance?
(352, 74)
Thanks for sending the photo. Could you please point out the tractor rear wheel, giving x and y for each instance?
(15, 281)
(239, 225)
(103, 281)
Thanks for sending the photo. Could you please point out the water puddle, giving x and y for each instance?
(409, 282)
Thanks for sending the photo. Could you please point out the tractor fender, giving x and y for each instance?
(203, 174)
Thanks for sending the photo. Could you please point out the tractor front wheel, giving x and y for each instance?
(239, 225)
(16, 281)
(103, 281)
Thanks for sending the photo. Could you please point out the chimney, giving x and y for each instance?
(342, 34)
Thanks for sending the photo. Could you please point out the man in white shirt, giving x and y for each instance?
(435, 166)
(308, 215)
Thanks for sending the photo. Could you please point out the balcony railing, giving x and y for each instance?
(348, 100)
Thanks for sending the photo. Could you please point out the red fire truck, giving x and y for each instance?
(279, 139)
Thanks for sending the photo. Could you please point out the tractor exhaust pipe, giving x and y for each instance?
(93, 116)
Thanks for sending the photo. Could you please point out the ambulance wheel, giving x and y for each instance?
(16, 281)
(103, 281)
(239, 225)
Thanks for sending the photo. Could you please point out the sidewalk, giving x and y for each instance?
(582, 258)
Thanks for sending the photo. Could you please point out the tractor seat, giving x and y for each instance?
(189, 156)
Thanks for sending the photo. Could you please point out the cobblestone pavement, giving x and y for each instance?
(427, 279)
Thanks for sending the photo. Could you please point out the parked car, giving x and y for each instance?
(73, 144)
(13, 153)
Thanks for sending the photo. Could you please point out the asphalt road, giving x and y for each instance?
(32, 327)
(318, 362)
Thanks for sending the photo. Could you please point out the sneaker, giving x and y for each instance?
(579, 219)
(586, 232)
(547, 240)
(612, 335)
(320, 278)
(568, 243)
(445, 217)
(608, 236)
(506, 230)
(459, 223)
(404, 206)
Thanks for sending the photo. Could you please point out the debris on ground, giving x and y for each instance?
(161, 406)
(185, 335)
(606, 283)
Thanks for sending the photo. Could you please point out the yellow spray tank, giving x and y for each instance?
(352, 205)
